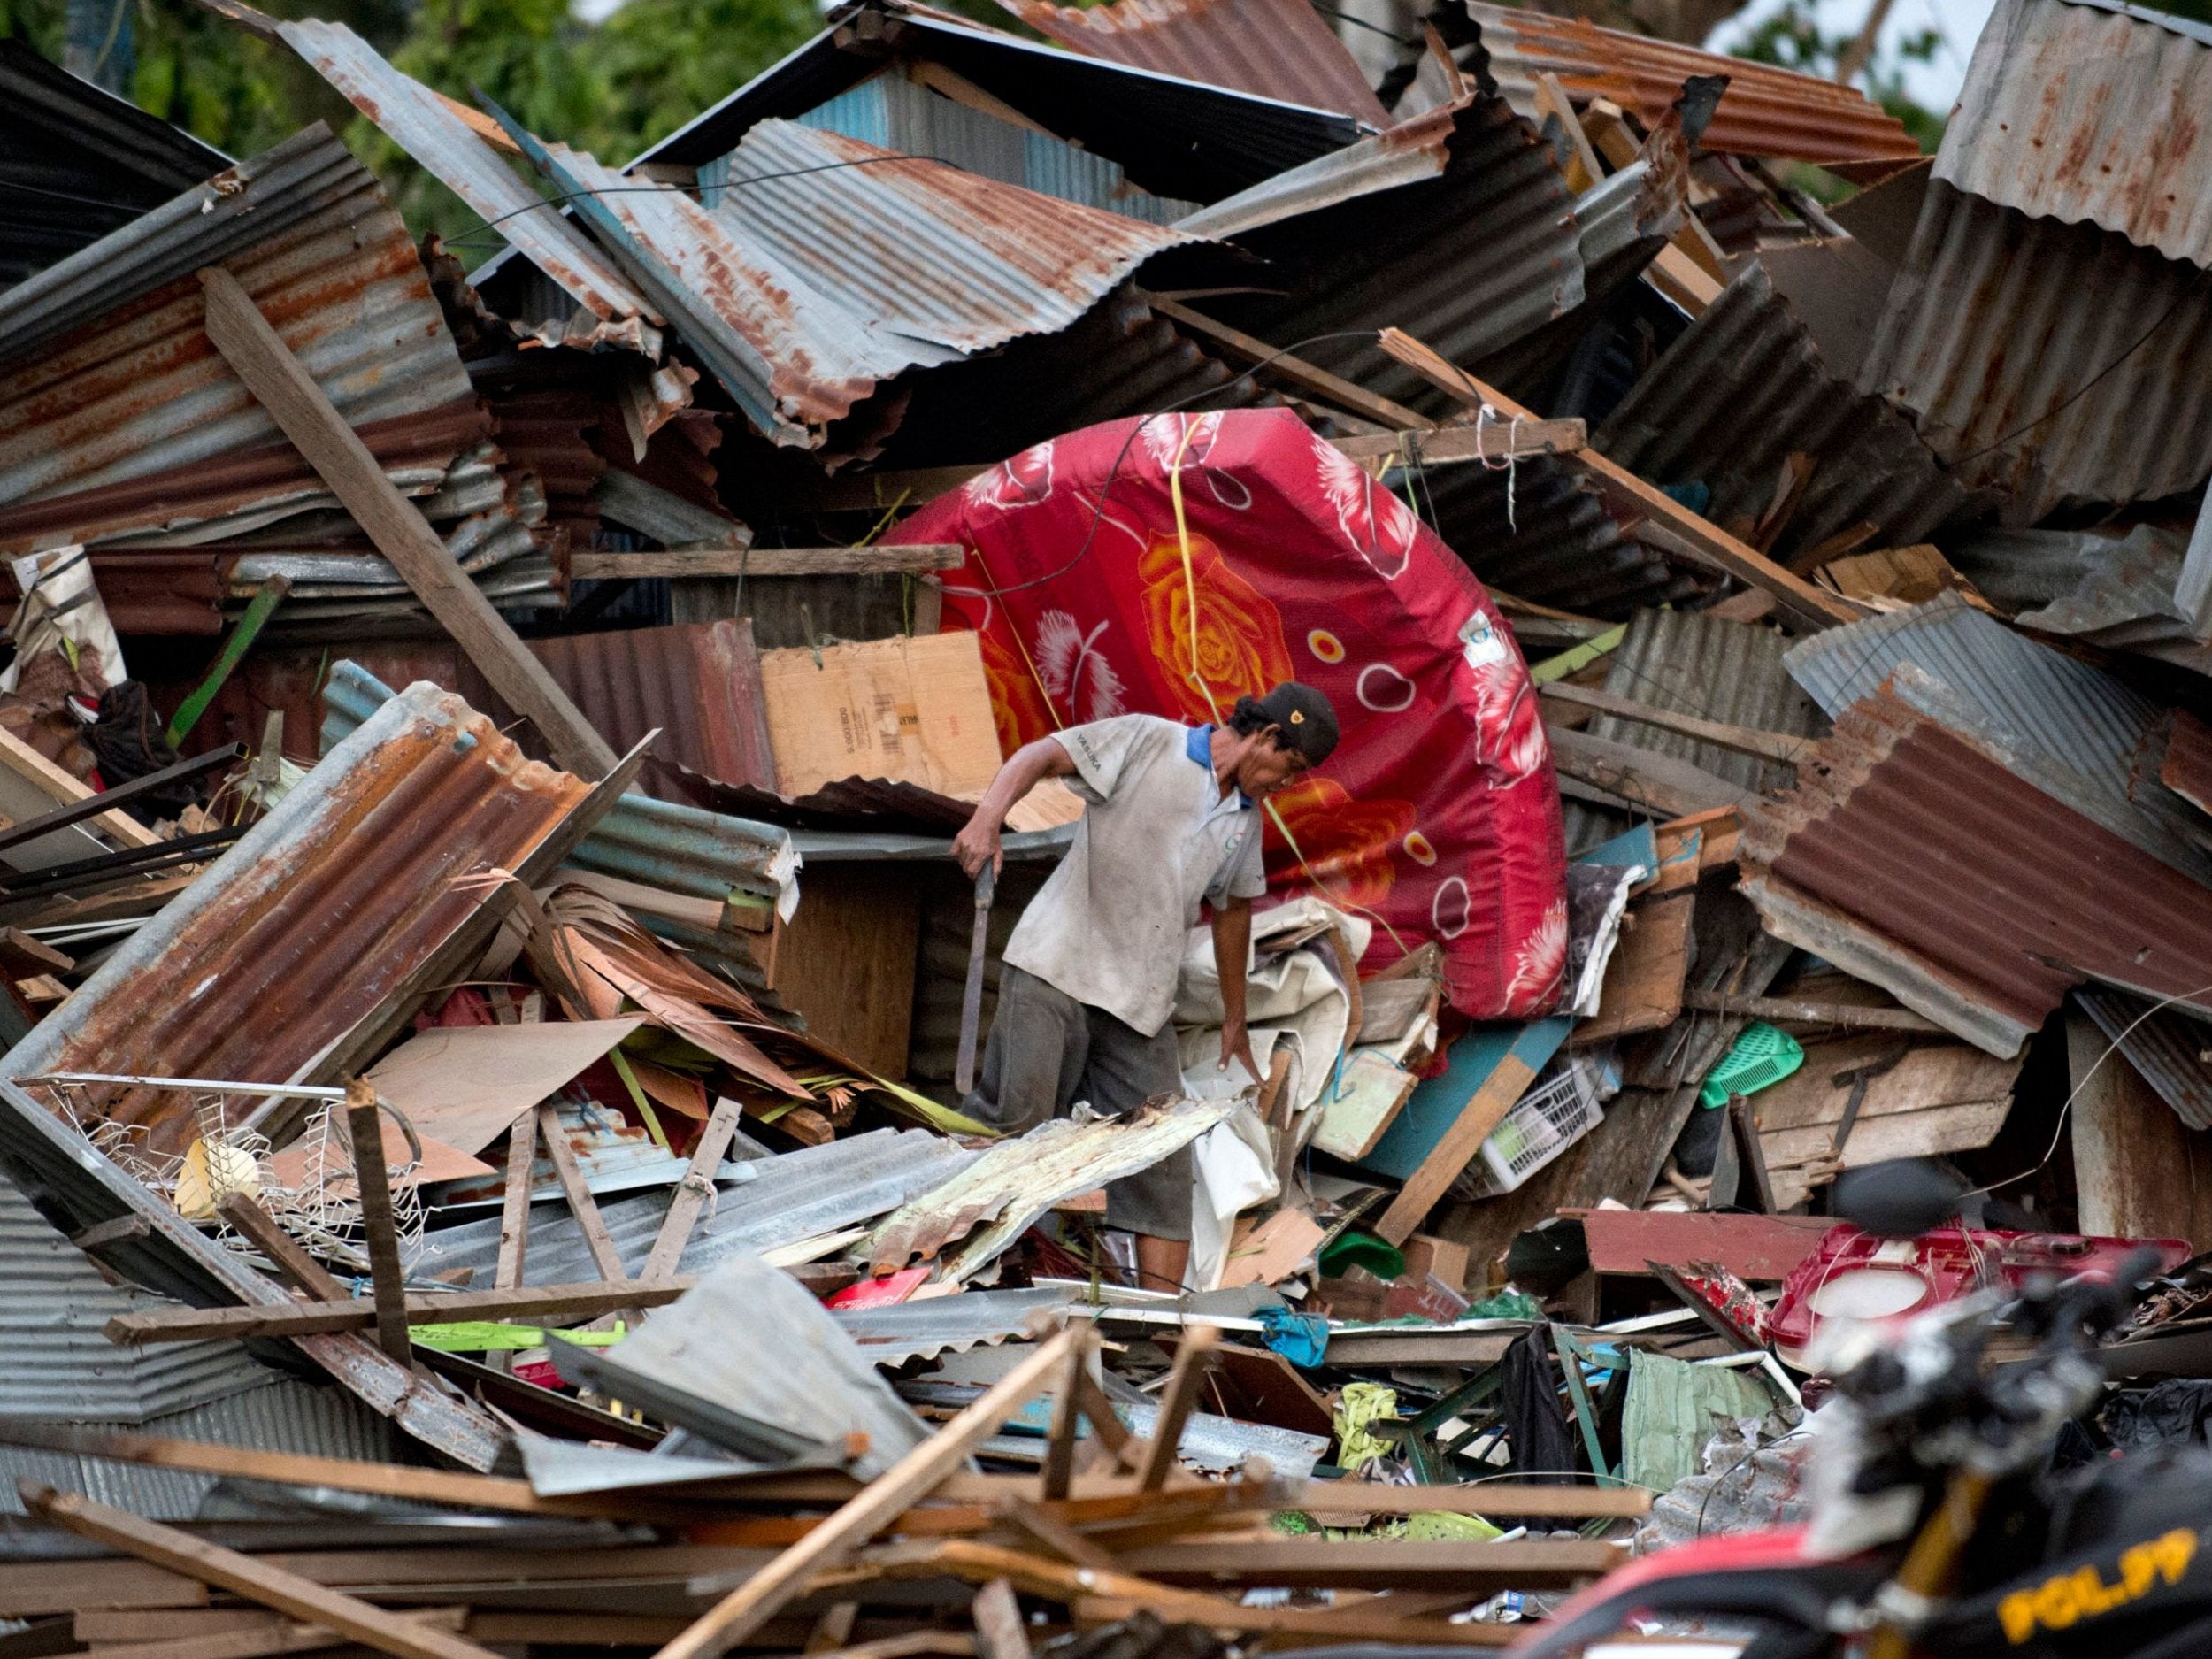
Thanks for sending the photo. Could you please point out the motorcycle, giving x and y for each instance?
(1937, 1529)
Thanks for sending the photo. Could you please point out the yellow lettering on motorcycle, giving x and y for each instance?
(2059, 1602)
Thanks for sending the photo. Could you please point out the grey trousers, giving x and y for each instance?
(1046, 1051)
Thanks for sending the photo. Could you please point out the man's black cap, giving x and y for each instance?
(1303, 718)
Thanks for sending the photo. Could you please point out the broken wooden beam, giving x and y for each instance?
(1845, 1016)
(282, 386)
(1807, 606)
(1306, 376)
(1741, 739)
(537, 1305)
(260, 1581)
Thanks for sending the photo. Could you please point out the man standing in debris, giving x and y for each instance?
(1088, 982)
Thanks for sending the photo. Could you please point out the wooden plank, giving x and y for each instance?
(1644, 981)
(2141, 1171)
(1374, 1564)
(1805, 606)
(258, 1643)
(283, 387)
(1331, 388)
(29, 1589)
(580, 1202)
(1661, 784)
(102, 1626)
(999, 1633)
(846, 961)
(1055, 1535)
(1492, 441)
(1194, 1356)
(1058, 1469)
(243, 1575)
(514, 1203)
(1505, 1084)
(59, 786)
(876, 559)
(1844, 1016)
(692, 1192)
(764, 1595)
(364, 1129)
(1741, 739)
(260, 1228)
(540, 1304)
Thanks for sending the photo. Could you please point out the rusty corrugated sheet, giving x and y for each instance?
(1765, 111)
(2057, 362)
(543, 432)
(303, 929)
(1278, 48)
(930, 253)
(422, 124)
(2187, 766)
(2173, 1052)
(1913, 857)
(1744, 388)
(122, 387)
(2075, 110)
(698, 683)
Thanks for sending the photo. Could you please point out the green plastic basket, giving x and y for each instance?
(1760, 1058)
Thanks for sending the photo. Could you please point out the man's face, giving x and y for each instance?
(1266, 767)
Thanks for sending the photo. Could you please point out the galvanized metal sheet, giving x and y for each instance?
(61, 1367)
(2054, 361)
(1765, 111)
(110, 379)
(930, 253)
(427, 128)
(2079, 732)
(1686, 662)
(1172, 137)
(302, 929)
(2078, 111)
(922, 1330)
(793, 1196)
(1278, 49)
(1746, 387)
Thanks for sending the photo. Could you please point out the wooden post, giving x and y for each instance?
(1059, 1464)
(998, 1623)
(259, 1581)
(260, 1228)
(1193, 1357)
(386, 1279)
(514, 1206)
(693, 1191)
(394, 524)
(782, 1580)
(581, 1201)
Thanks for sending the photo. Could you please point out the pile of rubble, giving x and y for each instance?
(517, 716)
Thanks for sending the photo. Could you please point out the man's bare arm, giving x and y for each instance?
(977, 843)
(1233, 952)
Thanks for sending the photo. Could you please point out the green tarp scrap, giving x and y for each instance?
(1674, 1407)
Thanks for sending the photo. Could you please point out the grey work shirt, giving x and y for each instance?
(1156, 837)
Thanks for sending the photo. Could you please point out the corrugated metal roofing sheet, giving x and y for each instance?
(61, 1367)
(76, 161)
(1928, 864)
(277, 1414)
(681, 849)
(793, 1196)
(892, 111)
(111, 380)
(2080, 732)
(1175, 138)
(1744, 388)
(910, 1330)
(1765, 111)
(2083, 111)
(1686, 662)
(2187, 766)
(1557, 546)
(422, 124)
(1469, 260)
(927, 252)
(2055, 361)
(302, 929)
(1278, 49)
(2173, 1052)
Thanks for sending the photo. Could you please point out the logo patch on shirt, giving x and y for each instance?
(1480, 643)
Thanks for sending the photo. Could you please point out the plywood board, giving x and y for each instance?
(1272, 1250)
(1366, 1101)
(846, 961)
(1938, 1097)
(1643, 981)
(2141, 1171)
(466, 1085)
(909, 710)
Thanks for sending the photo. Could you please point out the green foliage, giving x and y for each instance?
(1793, 38)
(611, 88)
